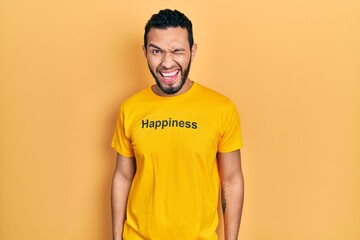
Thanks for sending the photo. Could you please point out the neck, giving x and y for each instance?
(186, 87)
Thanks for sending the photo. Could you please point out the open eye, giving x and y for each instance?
(156, 51)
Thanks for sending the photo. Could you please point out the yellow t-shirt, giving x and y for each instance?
(174, 193)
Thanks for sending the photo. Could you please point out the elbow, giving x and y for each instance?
(125, 177)
(234, 179)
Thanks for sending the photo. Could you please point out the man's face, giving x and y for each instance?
(169, 58)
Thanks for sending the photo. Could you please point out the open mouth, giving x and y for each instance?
(169, 76)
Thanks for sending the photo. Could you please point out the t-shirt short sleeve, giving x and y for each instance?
(121, 141)
(230, 139)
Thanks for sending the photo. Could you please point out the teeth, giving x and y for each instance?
(169, 74)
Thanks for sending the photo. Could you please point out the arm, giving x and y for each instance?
(232, 192)
(122, 179)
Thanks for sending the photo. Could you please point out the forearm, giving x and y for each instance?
(119, 196)
(232, 203)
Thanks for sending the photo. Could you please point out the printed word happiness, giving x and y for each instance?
(161, 124)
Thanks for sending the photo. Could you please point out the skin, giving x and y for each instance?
(168, 52)
(121, 182)
(232, 192)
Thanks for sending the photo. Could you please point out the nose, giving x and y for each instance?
(168, 60)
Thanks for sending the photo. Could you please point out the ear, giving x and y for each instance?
(193, 51)
(144, 49)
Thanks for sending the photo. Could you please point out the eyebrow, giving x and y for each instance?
(159, 48)
(179, 49)
(154, 46)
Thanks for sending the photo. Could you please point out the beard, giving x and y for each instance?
(172, 90)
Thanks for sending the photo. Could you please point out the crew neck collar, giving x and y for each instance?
(183, 95)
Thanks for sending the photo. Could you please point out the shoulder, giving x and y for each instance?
(213, 97)
(136, 99)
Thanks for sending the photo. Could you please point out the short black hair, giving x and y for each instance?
(167, 18)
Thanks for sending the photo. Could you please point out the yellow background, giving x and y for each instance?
(291, 67)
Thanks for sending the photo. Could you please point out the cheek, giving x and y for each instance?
(153, 63)
(184, 63)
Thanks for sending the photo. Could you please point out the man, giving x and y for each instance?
(177, 143)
